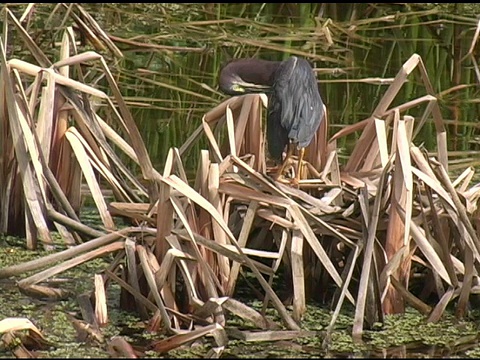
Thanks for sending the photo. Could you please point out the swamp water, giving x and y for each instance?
(406, 335)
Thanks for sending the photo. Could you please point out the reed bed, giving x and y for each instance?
(374, 230)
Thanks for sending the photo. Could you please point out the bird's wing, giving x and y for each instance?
(296, 95)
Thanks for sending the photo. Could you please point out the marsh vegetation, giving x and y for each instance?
(195, 250)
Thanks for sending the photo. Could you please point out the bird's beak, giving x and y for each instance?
(249, 87)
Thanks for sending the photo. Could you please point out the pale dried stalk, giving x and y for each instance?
(367, 262)
(33, 202)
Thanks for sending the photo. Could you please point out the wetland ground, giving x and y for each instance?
(407, 335)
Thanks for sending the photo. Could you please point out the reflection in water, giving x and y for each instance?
(416, 350)
(288, 349)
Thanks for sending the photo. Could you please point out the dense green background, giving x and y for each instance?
(169, 71)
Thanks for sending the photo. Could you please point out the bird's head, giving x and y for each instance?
(232, 84)
(236, 78)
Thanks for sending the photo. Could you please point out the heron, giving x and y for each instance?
(295, 107)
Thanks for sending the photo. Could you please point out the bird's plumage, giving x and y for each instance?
(295, 108)
(295, 104)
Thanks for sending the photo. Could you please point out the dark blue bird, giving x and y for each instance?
(295, 107)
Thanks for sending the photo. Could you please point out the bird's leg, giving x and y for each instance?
(285, 162)
(296, 180)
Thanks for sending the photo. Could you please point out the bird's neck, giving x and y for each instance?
(255, 71)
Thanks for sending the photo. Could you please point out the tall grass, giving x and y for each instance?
(174, 52)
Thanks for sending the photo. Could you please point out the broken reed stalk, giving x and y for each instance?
(80, 259)
(177, 184)
(18, 269)
(444, 178)
(367, 260)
